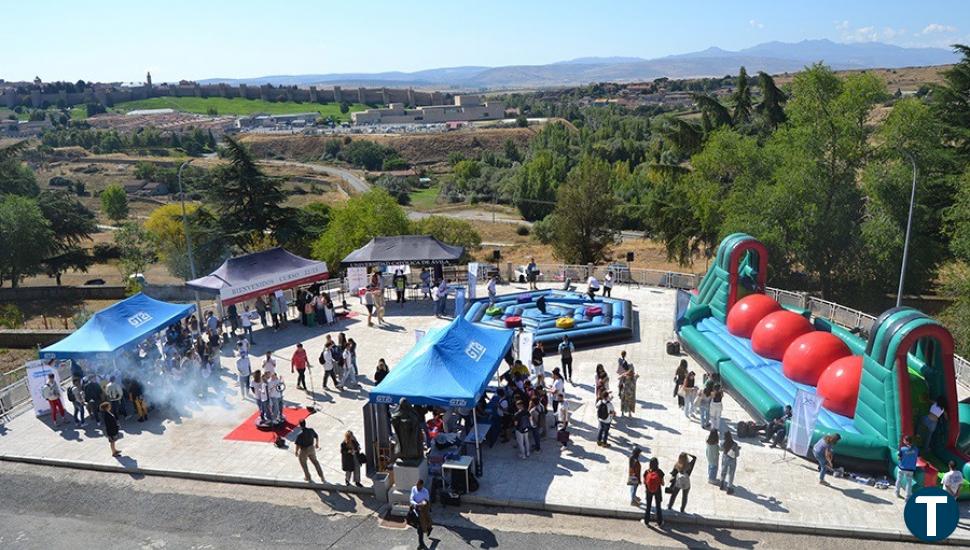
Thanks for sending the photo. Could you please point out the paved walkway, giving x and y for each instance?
(772, 492)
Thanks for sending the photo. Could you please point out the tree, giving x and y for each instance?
(511, 151)
(742, 100)
(71, 223)
(536, 183)
(167, 231)
(397, 187)
(246, 202)
(950, 104)
(136, 249)
(771, 108)
(357, 221)
(585, 208)
(467, 170)
(26, 239)
(450, 231)
(114, 202)
(16, 177)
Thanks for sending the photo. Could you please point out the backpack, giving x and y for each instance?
(323, 357)
(653, 480)
(603, 412)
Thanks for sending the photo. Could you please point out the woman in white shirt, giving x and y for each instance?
(259, 389)
(557, 389)
(349, 377)
(608, 284)
(928, 425)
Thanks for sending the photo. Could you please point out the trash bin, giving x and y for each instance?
(382, 484)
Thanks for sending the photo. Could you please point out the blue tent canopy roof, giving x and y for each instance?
(449, 367)
(118, 326)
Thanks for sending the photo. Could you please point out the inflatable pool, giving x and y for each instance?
(592, 321)
(875, 388)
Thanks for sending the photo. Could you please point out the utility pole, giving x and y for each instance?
(188, 239)
(909, 227)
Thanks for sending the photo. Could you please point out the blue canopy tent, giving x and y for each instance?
(117, 327)
(450, 367)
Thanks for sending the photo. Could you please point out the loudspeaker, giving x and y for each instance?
(629, 256)
(496, 255)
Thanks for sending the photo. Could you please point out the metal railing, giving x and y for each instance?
(17, 393)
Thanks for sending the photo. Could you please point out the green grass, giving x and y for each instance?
(424, 199)
(237, 106)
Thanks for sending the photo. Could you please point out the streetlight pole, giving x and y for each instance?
(188, 240)
(909, 227)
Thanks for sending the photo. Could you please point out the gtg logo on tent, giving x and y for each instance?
(931, 514)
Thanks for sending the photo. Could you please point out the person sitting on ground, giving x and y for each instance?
(777, 429)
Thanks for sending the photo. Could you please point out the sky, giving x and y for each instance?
(112, 40)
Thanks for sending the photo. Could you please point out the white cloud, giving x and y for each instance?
(842, 25)
(890, 33)
(868, 33)
(934, 28)
(756, 24)
(861, 34)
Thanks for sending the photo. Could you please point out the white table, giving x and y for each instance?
(463, 463)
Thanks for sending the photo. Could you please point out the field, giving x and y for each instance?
(237, 106)
(425, 199)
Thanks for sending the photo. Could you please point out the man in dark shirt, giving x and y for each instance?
(306, 445)
(94, 397)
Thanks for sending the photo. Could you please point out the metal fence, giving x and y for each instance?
(17, 393)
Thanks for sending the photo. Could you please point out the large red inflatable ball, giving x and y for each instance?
(748, 311)
(810, 354)
(773, 334)
(839, 385)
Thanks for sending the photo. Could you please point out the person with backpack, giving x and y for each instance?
(76, 396)
(681, 480)
(729, 462)
(566, 349)
(329, 365)
(653, 480)
(523, 426)
(633, 479)
(713, 451)
(908, 456)
(605, 413)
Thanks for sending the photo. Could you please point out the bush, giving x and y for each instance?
(80, 189)
(60, 181)
(542, 231)
(522, 230)
(394, 163)
(103, 252)
(397, 187)
(11, 316)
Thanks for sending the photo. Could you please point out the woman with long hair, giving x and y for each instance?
(713, 451)
(729, 462)
(654, 481)
(634, 476)
(681, 482)
(350, 458)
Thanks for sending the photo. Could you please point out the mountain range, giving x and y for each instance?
(771, 57)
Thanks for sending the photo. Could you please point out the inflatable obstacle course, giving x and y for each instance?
(875, 390)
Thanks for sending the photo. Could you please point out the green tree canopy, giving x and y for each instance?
(582, 219)
(16, 178)
(450, 231)
(356, 222)
(26, 239)
(114, 202)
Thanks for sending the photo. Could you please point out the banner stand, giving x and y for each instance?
(804, 416)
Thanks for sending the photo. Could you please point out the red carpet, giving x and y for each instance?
(248, 431)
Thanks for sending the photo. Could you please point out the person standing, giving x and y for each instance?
(426, 282)
(320, 309)
(653, 480)
(381, 371)
(823, 454)
(538, 356)
(562, 421)
(705, 408)
(908, 456)
(93, 394)
(608, 285)
(76, 396)
(681, 480)
(953, 480)
(284, 306)
(136, 391)
(532, 274)
(628, 391)
(421, 507)
(52, 393)
(712, 449)
(443, 290)
(690, 394)
(400, 283)
(536, 423)
(245, 369)
(299, 365)
(247, 324)
(115, 396)
(605, 413)
(680, 375)
(729, 462)
(633, 479)
(348, 377)
(369, 304)
(522, 428)
(307, 442)
(490, 288)
(379, 305)
(350, 458)
(111, 428)
(329, 365)
(717, 406)
(274, 390)
(274, 310)
(260, 392)
(261, 311)
(558, 390)
(566, 349)
(269, 364)
(929, 422)
(233, 313)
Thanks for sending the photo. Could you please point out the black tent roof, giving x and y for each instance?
(245, 277)
(404, 249)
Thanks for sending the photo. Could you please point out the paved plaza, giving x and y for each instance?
(773, 490)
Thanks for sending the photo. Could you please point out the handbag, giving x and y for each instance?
(412, 518)
(361, 458)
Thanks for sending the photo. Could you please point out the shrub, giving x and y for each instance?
(103, 252)
(60, 181)
(522, 230)
(542, 231)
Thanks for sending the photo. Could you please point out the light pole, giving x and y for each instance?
(188, 240)
(909, 227)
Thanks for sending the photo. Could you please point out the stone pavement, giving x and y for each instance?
(773, 492)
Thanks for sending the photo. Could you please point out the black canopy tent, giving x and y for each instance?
(245, 277)
(404, 249)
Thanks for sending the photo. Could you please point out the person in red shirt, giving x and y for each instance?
(436, 426)
(299, 364)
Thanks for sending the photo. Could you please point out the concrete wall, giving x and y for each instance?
(28, 339)
(62, 293)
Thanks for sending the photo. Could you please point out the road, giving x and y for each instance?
(50, 508)
(357, 183)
